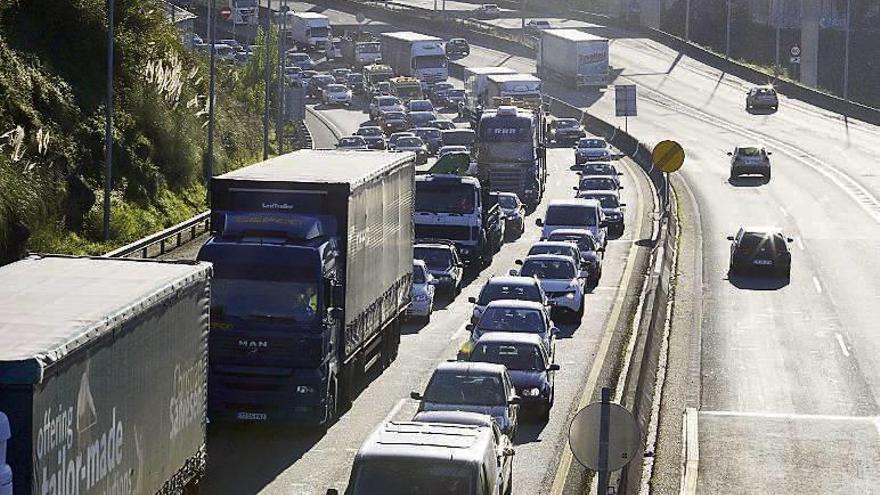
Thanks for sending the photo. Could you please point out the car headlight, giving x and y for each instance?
(305, 389)
(530, 392)
(420, 298)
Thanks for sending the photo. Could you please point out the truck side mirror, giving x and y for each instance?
(553, 367)
(575, 189)
(415, 396)
(338, 294)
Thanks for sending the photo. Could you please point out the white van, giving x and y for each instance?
(575, 214)
(419, 457)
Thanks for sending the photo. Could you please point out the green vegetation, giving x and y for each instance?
(52, 89)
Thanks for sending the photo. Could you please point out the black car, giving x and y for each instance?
(373, 135)
(530, 367)
(432, 138)
(760, 250)
(566, 131)
(393, 122)
(356, 83)
(457, 48)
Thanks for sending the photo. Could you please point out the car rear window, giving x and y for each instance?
(520, 292)
(749, 151)
(570, 215)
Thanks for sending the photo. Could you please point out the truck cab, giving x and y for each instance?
(295, 319)
(457, 208)
(406, 88)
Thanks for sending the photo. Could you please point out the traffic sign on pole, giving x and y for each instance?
(795, 51)
(668, 156)
(625, 100)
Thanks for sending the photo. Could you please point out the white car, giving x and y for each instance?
(383, 104)
(452, 148)
(337, 94)
(591, 148)
(559, 276)
(422, 292)
(575, 214)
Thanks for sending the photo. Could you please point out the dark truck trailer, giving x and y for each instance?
(103, 367)
(312, 253)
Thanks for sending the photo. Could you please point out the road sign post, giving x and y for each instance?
(605, 437)
(668, 157)
(625, 102)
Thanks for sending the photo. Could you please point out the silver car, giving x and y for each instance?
(422, 292)
(337, 94)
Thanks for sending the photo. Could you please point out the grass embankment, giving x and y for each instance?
(52, 90)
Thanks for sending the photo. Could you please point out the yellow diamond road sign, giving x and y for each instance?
(668, 156)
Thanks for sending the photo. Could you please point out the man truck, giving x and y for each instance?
(416, 55)
(573, 57)
(511, 152)
(312, 255)
(103, 367)
(309, 30)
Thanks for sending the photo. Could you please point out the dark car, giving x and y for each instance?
(442, 260)
(420, 118)
(750, 160)
(457, 48)
(473, 387)
(761, 249)
(373, 136)
(487, 11)
(356, 83)
(431, 136)
(601, 168)
(566, 131)
(611, 207)
(453, 98)
(591, 252)
(463, 137)
(530, 367)
(598, 183)
(442, 124)
(393, 122)
(514, 316)
(437, 92)
(762, 97)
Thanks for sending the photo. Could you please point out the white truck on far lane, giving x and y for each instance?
(310, 31)
(415, 55)
(573, 57)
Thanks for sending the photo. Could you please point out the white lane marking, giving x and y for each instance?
(817, 284)
(800, 243)
(840, 341)
(771, 415)
(784, 212)
(394, 411)
(457, 334)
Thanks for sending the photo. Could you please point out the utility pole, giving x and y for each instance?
(212, 34)
(279, 111)
(108, 120)
(268, 70)
(687, 20)
(727, 45)
(846, 51)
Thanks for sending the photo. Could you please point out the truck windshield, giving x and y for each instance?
(445, 198)
(319, 32)
(505, 152)
(265, 299)
(369, 47)
(434, 258)
(413, 477)
(429, 62)
(408, 92)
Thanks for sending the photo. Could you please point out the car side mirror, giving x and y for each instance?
(513, 273)
(332, 491)
(600, 249)
(620, 187)
(518, 262)
(769, 153)
(622, 205)
(730, 238)
(415, 396)
(469, 327)
(729, 153)
(789, 239)
(539, 222)
(620, 173)
(553, 367)
(575, 189)
(472, 300)
(515, 400)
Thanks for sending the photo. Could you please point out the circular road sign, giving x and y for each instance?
(360, 18)
(795, 51)
(624, 436)
(668, 156)
(225, 12)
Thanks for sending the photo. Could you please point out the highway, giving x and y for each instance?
(787, 372)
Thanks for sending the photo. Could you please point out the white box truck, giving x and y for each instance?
(416, 55)
(518, 87)
(244, 12)
(310, 31)
(573, 57)
(475, 87)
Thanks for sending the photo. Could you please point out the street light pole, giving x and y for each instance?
(212, 33)
(846, 51)
(727, 49)
(268, 78)
(108, 121)
(279, 111)
(687, 20)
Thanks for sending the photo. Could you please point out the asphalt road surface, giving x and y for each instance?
(789, 371)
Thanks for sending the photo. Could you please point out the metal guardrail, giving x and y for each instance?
(165, 241)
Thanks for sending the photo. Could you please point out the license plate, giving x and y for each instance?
(762, 262)
(249, 416)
